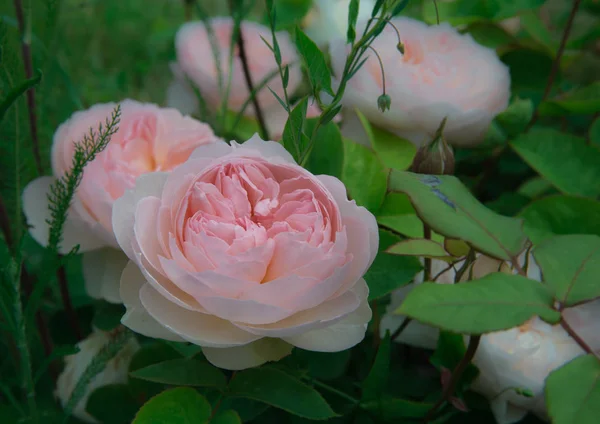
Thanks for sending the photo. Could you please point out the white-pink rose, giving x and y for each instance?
(245, 253)
(442, 73)
(148, 139)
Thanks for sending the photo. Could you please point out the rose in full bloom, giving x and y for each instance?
(115, 372)
(441, 73)
(518, 358)
(245, 253)
(148, 139)
(328, 19)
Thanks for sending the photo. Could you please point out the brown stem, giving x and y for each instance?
(187, 5)
(376, 324)
(28, 65)
(556, 63)
(5, 224)
(427, 260)
(61, 275)
(400, 329)
(249, 84)
(564, 324)
(456, 374)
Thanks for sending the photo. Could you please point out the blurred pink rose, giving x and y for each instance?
(148, 139)
(245, 253)
(441, 74)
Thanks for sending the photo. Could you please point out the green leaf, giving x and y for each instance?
(183, 372)
(393, 151)
(376, 381)
(364, 175)
(582, 101)
(529, 70)
(535, 27)
(396, 408)
(563, 159)
(18, 91)
(489, 34)
(570, 266)
(123, 405)
(293, 134)
(327, 154)
(278, 389)
(573, 392)
(594, 134)
(226, 417)
(352, 17)
(556, 215)
(314, 60)
(457, 12)
(181, 405)
(418, 247)
(535, 187)
(449, 351)
(290, 12)
(389, 272)
(451, 210)
(516, 117)
(108, 315)
(495, 302)
(324, 365)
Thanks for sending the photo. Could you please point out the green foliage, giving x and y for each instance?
(314, 61)
(183, 372)
(294, 139)
(177, 406)
(573, 391)
(376, 381)
(121, 402)
(17, 92)
(581, 101)
(495, 302)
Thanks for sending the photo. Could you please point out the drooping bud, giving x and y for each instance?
(384, 102)
(400, 47)
(435, 157)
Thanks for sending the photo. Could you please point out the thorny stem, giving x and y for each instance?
(454, 379)
(381, 66)
(61, 275)
(556, 63)
(28, 65)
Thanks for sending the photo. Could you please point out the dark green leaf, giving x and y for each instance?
(293, 131)
(226, 417)
(352, 17)
(314, 60)
(451, 210)
(573, 392)
(532, 23)
(19, 90)
(327, 154)
(396, 408)
(181, 405)
(376, 381)
(418, 247)
(495, 302)
(516, 117)
(108, 315)
(324, 365)
(582, 101)
(183, 372)
(529, 69)
(449, 351)
(570, 266)
(290, 12)
(278, 389)
(563, 159)
(113, 404)
(594, 134)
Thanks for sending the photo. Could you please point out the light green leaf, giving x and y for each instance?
(327, 154)
(570, 266)
(573, 392)
(582, 101)
(393, 151)
(535, 187)
(451, 210)
(555, 215)
(290, 12)
(516, 117)
(457, 12)
(364, 175)
(563, 159)
(182, 405)
(314, 60)
(281, 390)
(226, 417)
(495, 302)
(376, 381)
(183, 372)
(594, 134)
(418, 247)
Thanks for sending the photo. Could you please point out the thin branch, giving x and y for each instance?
(564, 324)
(381, 66)
(28, 65)
(556, 63)
(454, 379)
(5, 224)
(61, 275)
(427, 260)
(400, 329)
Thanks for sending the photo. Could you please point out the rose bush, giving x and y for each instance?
(441, 73)
(244, 253)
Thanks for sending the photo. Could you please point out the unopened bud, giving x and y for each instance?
(384, 102)
(400, 47)
(436, 157)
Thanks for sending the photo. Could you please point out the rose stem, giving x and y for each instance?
(27, 63)
(460, 368)
(61, 275)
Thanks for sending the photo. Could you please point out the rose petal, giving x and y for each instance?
(102, 270)
(249, 355)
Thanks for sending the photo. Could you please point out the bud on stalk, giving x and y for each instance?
(435, 157)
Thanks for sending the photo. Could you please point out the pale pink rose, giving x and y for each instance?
(441, 74)
(148, 139)
(196, 61)
(245, 253)
(521, 357)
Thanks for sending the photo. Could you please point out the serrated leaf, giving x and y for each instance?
(181, 405)
(278, 389)
(573, 392)
(582, 101)
(570, 266)
(418, 247)
(563, 159)
(495, 302)
(376, 381)
(445, 204)
(314, 60)
(183, 372)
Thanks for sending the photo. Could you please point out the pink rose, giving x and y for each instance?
(442, 73)
(245, 253)
(148, 139)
